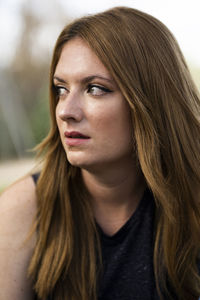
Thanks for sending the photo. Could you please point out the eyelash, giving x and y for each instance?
(89, 88)
(103, 89)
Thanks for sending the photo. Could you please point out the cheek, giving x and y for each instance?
(58, 120)
(103, 123)
(113, 123)
(56, 111)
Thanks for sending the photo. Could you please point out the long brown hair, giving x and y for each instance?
(144, 59)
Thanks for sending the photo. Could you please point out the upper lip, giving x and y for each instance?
(75, 134)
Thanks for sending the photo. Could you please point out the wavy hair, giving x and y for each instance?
(145, 60)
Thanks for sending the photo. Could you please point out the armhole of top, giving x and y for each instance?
(35, 177)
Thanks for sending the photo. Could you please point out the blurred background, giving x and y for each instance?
(28, 31)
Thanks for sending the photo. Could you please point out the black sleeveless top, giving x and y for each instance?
(128, 256)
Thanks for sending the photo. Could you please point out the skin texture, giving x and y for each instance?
(87, 108)
(97, 109)
(17, 210)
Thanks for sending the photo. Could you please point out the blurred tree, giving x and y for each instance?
(24, 118)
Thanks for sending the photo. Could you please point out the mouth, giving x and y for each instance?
(75, 135)
(76, 139)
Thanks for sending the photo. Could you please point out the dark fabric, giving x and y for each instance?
(128, 256)
(35, 177)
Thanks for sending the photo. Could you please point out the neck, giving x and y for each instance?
(115, 195)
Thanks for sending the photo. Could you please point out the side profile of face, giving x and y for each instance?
(92, 115)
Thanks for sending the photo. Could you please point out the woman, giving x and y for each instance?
(116, 204)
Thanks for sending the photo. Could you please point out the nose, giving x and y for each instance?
(70, 108)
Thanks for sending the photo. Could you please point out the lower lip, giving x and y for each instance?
(75, 142)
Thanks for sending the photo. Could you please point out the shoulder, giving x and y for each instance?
(17, 212)
(18, 203)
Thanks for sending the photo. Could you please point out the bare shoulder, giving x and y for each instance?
(19, 197)
(17, 211)
(18, 207)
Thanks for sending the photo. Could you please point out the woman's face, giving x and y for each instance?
(92, 116)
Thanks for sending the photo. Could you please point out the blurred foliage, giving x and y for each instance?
(40, 120)
(24, 112)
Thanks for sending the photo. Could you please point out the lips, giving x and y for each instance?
(76, 139)
(75, 135)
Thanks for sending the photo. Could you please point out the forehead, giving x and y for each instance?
(77, 58)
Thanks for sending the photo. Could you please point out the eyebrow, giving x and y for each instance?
(86, 80)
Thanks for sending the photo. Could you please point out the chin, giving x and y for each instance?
(78, 162)
(80, 158)
(84, 164)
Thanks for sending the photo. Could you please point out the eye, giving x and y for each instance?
(60, 91)
(97, 90)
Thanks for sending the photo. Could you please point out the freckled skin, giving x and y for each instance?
(103, 116)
